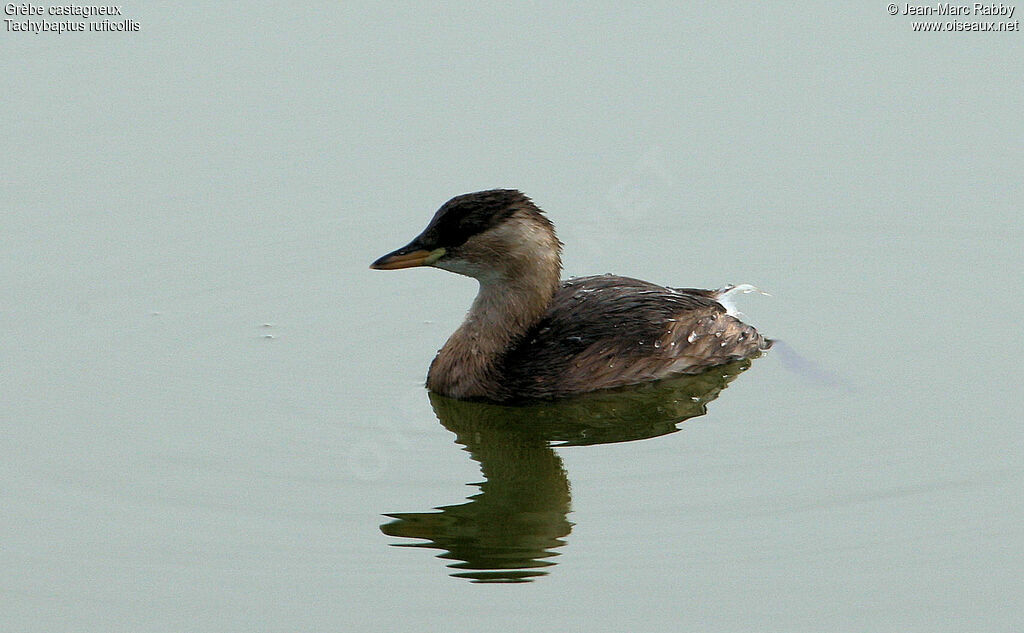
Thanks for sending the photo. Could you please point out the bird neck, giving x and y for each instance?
(506, 306)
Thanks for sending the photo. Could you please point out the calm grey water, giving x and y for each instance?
(212, 413)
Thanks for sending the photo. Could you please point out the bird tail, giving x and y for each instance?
(727, 297)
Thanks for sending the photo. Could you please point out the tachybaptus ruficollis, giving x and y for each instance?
(529, 335)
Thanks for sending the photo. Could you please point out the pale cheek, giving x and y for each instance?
(466, 267)
(459, 266)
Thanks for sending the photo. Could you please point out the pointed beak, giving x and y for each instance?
(408, 256)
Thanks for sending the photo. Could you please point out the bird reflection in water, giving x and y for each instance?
(511, 529)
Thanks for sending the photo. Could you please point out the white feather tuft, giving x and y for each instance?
(727, 296)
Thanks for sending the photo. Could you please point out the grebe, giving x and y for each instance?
(529, 335)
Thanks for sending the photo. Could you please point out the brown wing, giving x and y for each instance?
(608, 331)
